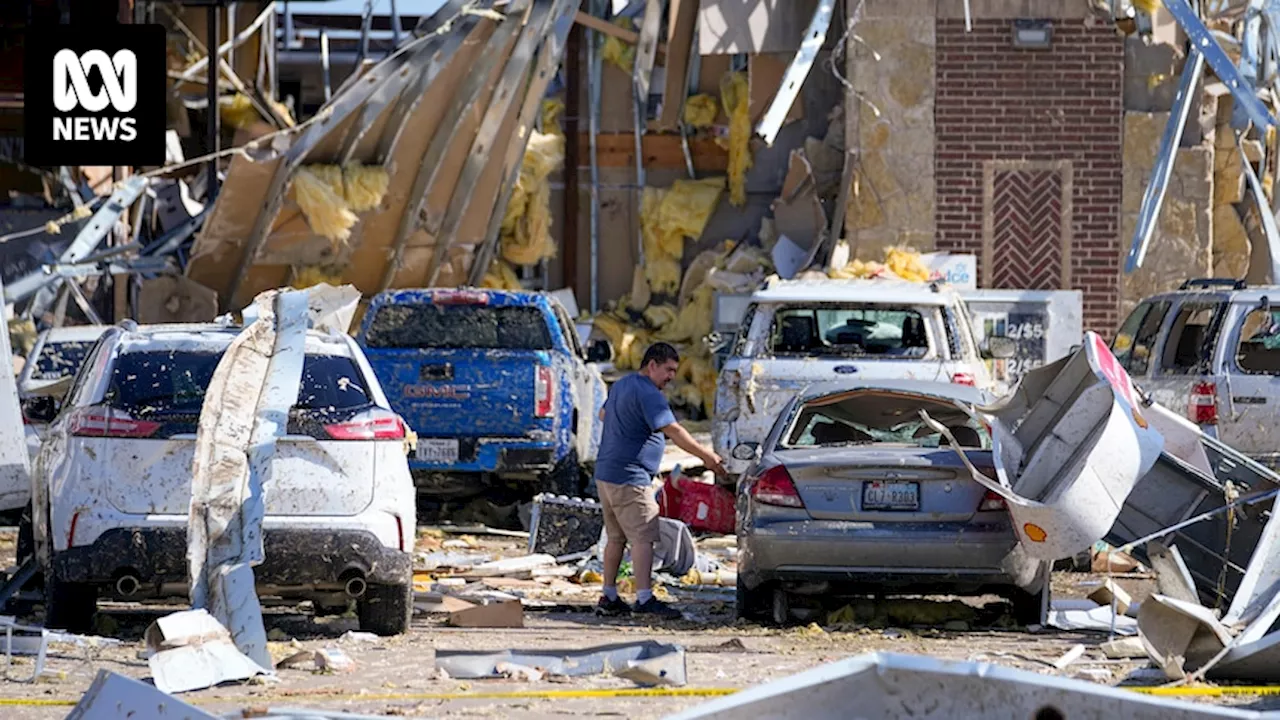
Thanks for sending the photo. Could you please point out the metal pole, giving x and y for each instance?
(366, 23)
(212, 96)
(395, 24)
(573, 110)
(324, 63)
(594, 70)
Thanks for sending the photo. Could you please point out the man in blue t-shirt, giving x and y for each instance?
(637, 421)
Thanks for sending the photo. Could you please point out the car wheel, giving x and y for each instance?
(780, 610)
(1028, 607)
(752, 602)
(386, 609)
(69, 606)
(565, 478)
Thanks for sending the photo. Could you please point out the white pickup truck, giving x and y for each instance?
(798, 332)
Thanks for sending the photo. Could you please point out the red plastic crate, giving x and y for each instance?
(702, 506)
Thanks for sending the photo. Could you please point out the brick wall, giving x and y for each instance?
(1004, 114)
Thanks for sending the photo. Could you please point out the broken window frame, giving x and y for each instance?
(1180, 317)
(933, 349)
(1141, 329)
(743, 336)
(1239, 340)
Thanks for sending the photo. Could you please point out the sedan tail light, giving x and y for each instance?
(775, 487)
(543, 393)
(964, 379)
(992, 501)
(373, 425)
(1202, 407)
(102, 421)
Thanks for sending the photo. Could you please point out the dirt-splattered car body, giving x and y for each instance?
(852, 493)
(797, 333)
(112, 486)
(1211, 350)
(495, 384)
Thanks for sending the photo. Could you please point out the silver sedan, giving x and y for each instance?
(853, 494)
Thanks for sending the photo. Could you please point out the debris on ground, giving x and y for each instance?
(191, 650)
(647, 662)
(504, 614)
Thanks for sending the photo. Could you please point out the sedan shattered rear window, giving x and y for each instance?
(176, 382)
(61, 359)
(417, 327)
(869, 418)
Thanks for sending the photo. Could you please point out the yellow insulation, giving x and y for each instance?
(900, 262)
(694, 321)
(364, 186)
(22, 336)
(238, 111)
(325, 210)
(526, 224)
(501, 276)
(313, 275)
(629, 343)
(667, 217)
(700, 111)
(551, 111)
(735, 96)
(660, 316)
(618, 53)
(1147, 6)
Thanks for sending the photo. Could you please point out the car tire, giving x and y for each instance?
(386, 609)
(751, 603)
(69, 606)
(565, 478)
(1027, 607)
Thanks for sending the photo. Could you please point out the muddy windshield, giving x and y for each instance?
(61, 359)
(417, 327)
(866, 330)
(880, 418)
(151, 382)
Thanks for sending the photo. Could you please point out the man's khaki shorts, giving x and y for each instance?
(630, 511)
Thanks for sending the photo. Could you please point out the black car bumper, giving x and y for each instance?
(293, 557)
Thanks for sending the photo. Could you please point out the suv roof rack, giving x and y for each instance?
(1213, 282)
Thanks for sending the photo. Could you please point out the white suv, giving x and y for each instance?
(799, 332)
(112, 487)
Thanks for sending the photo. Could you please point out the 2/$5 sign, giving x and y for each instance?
(95, 96)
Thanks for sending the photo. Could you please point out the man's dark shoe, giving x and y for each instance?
(654, 606)
(612, 608)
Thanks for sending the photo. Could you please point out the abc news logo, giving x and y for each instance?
(95, 97)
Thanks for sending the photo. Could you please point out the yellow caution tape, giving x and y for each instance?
(468, 695)
(1166, 691)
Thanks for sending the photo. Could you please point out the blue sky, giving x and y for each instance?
(356, 7)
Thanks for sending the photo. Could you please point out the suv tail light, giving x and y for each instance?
(964, 379)
(543, 393)
(775, 487)
(103, 421)
(373, 425)
(992, 501)
(1202, 407)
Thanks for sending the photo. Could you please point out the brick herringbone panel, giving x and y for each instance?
(1026, 216)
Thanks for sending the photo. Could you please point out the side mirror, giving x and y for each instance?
(599, 351)
(746, 451)
(40, 409)
(998, 347)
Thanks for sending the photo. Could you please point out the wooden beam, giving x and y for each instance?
(630, 37)
(661, 152)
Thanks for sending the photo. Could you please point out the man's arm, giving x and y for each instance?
(685, 441)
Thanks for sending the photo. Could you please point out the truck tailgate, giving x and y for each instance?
(462, 392)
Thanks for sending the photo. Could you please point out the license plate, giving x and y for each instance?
(878, 495)
(437, 451)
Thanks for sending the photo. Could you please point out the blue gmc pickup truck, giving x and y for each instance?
(495, 384)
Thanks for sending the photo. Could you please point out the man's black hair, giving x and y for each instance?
(660, 353)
